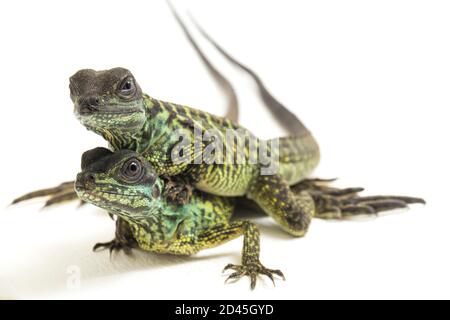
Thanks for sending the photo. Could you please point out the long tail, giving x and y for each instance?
(298, 154)
(233, 103)
(284, 116)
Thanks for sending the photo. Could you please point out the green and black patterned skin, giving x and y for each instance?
(125, 184)
(112, 104)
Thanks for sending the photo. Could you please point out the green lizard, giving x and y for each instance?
(154, 120)
(112, 104)
(126, 185)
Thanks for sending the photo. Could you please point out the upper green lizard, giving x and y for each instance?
(112, 104)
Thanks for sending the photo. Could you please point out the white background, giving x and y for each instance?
(371, 79)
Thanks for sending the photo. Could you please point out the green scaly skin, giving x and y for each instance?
(149, 130)
(129, 119)
(126, 185)
(112, 104)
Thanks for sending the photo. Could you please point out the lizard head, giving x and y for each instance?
(122, 183)
(107, 100)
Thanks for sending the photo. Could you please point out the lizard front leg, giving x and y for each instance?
(124, 239)
(250, 265)
(215, 236)
(177, 189)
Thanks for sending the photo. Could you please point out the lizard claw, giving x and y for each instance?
(228, 267)
(252, 269)
(233, 276)
(335, 203)
(112, 246)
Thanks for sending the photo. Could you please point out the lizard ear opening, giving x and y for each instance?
(92, 156)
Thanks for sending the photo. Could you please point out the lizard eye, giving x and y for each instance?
(132, 170)
(127, 87)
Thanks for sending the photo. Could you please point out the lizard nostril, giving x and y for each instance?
(85, 181)
(90, 178)
(89, 104)
(92, 101)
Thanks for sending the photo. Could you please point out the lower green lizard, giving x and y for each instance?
(125, 184)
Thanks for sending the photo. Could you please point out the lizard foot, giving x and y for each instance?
(252, 270)
(113, 246)
(177, 190)
(335, 203)
(123, 240)
(62, 193)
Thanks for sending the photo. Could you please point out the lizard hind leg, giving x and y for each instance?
(64, 192)
(335, 203)
(293, 211)
(221, 233)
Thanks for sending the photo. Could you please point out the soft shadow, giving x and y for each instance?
(52, 270)
(49, 271)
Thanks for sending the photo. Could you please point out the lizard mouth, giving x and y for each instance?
(80, 186)
(92, 111)
(129, 118)
(83, 191)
